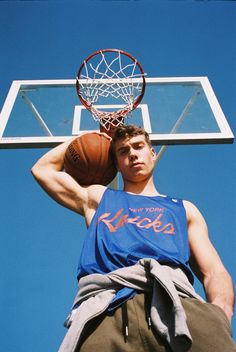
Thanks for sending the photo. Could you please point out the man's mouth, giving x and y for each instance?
(136, 164)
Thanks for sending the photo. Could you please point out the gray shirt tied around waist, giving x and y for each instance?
(96, 292)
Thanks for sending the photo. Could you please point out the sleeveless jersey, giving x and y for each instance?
(128, 227)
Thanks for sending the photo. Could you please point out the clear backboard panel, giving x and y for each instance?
(179, 110)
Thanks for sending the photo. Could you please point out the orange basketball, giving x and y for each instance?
(89, 159)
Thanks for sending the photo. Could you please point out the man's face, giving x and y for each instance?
(135, 158)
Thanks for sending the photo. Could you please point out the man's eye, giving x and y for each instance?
(122, 152)
(139, 146)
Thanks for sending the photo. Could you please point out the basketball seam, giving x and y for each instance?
(100, 166)
(101, 159)
(85, 155)
(106, 162)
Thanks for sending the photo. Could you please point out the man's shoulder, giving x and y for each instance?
(192, 211)
(96, 191)
(93, 198)
(189, 205)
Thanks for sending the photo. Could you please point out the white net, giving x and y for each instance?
(114, 75)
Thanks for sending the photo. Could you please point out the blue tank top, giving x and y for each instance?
(128, 227)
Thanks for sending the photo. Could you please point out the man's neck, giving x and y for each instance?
(145, 188)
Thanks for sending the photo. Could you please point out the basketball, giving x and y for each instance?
(89, 160)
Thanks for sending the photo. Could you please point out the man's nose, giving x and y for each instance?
(132, 154)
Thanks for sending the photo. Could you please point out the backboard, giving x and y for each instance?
(177, 110)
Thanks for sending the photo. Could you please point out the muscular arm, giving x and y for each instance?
(48, 171)
(206, 263)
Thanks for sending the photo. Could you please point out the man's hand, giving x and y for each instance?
(216, 287)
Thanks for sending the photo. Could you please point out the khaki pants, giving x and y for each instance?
(208, 325)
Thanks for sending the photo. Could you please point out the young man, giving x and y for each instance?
(134, 274)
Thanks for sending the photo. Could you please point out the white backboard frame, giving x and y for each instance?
(224, 136)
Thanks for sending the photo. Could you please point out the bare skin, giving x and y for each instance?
(48, 171)
(136, 161)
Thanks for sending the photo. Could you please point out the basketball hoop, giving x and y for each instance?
(113, 74)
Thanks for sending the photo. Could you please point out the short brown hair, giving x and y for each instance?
(124, 131)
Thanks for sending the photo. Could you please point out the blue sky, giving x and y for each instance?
(40, 241)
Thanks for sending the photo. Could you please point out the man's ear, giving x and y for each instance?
(154, 155)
